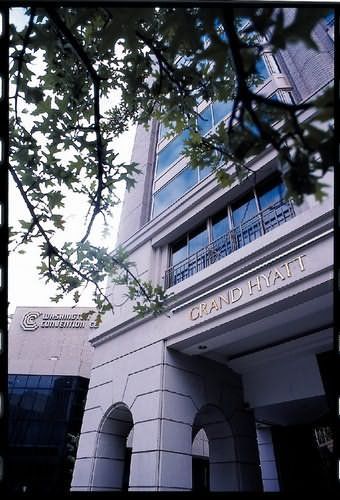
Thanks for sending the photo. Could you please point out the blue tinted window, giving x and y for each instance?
(33, 381)
(46, 381)
(178, 186)
(16, 396)
(329, 18)
(204, 121)
(204, 172)
(179, 251)
(32, 432)
(220, 225)
(41, 399)
(261, 68)
(163, 130)
(270, 196)
(21, 380)
(171, 152)
(66, 382)
(221, 109)
(244, 210)
(198, 239)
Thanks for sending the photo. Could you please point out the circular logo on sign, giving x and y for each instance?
(28, 322)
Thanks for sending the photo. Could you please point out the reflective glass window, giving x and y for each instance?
(204, 121)
(33, 381)
(198, 239)
(21, 380)
(220, 225)
(171, 152)
(178, 186)
(221, 109)
(269, 195)
(261, 68)
(41, 400)
(163, 130)
(46, 381)
(58, 432)
(63, 382)
(27, 400)
(179, 250)
(33, 432)
(244, 210)
(329, 18)
(204, 172)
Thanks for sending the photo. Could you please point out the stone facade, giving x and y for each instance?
(211, 363)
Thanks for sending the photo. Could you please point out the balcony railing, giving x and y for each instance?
(260, 224)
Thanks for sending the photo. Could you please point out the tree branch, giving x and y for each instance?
(96, 95)
(246, 96)
(52, 250)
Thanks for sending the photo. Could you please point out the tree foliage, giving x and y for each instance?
(160, 62)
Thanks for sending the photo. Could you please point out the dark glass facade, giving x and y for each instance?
(43, 410)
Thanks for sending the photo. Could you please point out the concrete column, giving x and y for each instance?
(247, 455)
(109, 462)
(269, 473)
(161, 455)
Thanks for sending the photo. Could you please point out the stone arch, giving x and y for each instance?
(112, 459)
(223, 467)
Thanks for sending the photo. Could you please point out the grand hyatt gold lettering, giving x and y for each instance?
(278, 274)
(206, 308)
(254, 285)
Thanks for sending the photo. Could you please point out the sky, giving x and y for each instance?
(24, 286)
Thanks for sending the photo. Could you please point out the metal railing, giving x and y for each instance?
(236, 238)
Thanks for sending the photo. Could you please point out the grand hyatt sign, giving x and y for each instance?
(253, 286)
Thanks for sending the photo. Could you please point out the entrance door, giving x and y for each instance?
(299, 462)
(200, 474)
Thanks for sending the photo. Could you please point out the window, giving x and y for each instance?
(198, 239)
(220, 224)
(162, 131)
(329, 19)
(221, 109)
(256, 213)
(203, 172)
(261, 68)
(204, 121)
(208, 118)
(171, 152)
(33, 381)
(270, 194)
(179, 185)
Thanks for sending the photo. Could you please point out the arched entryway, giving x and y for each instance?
(113, 453)
(200, 462)
(217, 444)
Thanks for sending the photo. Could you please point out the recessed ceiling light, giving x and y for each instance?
(54, 358)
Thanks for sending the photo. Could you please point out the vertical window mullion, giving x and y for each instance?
(259, 211)
(230, 218)
(212, 116)
(256, 200)
(209, 228)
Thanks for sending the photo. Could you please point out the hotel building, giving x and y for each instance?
(228, 389)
